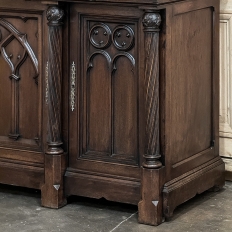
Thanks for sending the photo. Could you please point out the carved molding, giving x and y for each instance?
(54, 16)
(151, 22)
(186, 182)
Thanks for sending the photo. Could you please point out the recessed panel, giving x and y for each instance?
(192, 84)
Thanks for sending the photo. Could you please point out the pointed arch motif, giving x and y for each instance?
(22, 39)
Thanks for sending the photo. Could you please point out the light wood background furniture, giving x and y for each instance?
(226, 85)
(113, 99)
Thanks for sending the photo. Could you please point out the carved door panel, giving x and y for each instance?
(20, 83)
(105, 92)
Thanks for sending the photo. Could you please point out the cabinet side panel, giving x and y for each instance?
(191, 135)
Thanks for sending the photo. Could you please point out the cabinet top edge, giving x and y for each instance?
(151, 2)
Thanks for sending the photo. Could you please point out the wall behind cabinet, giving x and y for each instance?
(225, 130)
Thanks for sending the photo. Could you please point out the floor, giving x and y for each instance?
(21, 212)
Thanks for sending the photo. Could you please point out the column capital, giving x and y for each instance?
(55, 16)
(151, 21)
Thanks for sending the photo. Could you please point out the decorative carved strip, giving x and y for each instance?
(151, 23)
(73, 86)
(54, 16)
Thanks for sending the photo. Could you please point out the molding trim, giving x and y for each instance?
(190, 184)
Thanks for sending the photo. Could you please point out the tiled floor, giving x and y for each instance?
(21, 211)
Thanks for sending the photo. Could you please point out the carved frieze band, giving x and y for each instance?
(54, 16)
(151, 23)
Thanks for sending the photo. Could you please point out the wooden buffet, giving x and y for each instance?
(114, 98)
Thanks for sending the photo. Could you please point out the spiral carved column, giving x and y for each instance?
(52, 191)
(150, 206)
(151, 23)
(54, 16)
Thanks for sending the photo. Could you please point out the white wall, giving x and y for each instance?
(226, 84)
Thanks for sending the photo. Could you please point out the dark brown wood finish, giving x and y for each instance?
(127, 89)
(21, 94)
(52, 190)
(150, 207)
(106, 110)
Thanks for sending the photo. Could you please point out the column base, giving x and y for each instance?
(52, 191)
(151, 205)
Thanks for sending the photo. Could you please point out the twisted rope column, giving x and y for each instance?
(55, 161)
(54, 16)
(151, 23)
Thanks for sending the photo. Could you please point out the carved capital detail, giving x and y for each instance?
(151, 21)
(55, 16)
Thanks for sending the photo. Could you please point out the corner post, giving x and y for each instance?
(152, 176)
(55, 160)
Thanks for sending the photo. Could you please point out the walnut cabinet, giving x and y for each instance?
(112, 99)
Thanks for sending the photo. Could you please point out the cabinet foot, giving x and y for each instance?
(150, 207)
(207, 176)
(53, 191)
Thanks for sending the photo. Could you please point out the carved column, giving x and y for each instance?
(150, 207)
(52, 191)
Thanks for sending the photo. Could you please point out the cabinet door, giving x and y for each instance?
(105, 95)
(21, 97)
